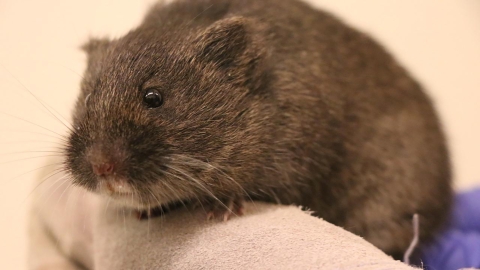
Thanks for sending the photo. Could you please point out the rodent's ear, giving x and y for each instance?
(234, 45)
(95, 44)
(223, 41)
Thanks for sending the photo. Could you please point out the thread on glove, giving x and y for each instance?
(414, 243)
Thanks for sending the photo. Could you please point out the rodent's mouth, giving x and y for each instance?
(161, 210)
(124, 194)
(132, 200)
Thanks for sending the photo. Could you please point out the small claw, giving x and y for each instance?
(226, 216)
(138, 214)
(210, 215)
(233, 207)
(241, 210)
(229, 210)
(147, 214)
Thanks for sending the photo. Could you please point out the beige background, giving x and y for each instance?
(439, 41)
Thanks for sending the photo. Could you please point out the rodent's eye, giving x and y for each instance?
(153, 98)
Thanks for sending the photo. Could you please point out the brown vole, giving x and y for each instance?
(215, 101)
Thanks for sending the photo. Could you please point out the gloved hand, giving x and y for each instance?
(458, 246)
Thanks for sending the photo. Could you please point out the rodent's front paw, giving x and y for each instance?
(224, 209)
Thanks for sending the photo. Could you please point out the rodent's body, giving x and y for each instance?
(269, 98)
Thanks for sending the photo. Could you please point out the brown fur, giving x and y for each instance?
(270, 100)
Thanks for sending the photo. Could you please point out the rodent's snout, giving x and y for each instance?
(103, 169)
(105, 160)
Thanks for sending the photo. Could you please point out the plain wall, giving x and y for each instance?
(438, 41)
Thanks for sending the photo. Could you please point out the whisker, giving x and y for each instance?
(63, 192)
(69, 126)
(42, 167)
(148, 222)
(194, 18)
(63, 142)
(134, 192)
(199, 184)
(31, 192)
(65, 67)
(34, 124)
(124, 221)
(29, 142)
(23, 159)
(155, 197)
(175, 194)
(42, 181)
(209, 165)
(37, 133)
(63, 180)
(67, 203)
(83, 199)
(107, 204)
(34, 96)
(116, 212)
(27, 152)
(173, 191)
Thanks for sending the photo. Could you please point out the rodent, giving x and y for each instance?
(264, 100)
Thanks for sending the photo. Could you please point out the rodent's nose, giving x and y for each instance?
(105, 159)
(103, 169)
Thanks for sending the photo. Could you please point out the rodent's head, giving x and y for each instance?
(170, 115)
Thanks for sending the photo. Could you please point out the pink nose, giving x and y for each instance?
(103, 169)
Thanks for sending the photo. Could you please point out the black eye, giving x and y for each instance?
(153, 98)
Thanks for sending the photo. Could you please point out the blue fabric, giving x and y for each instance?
(458, 246)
